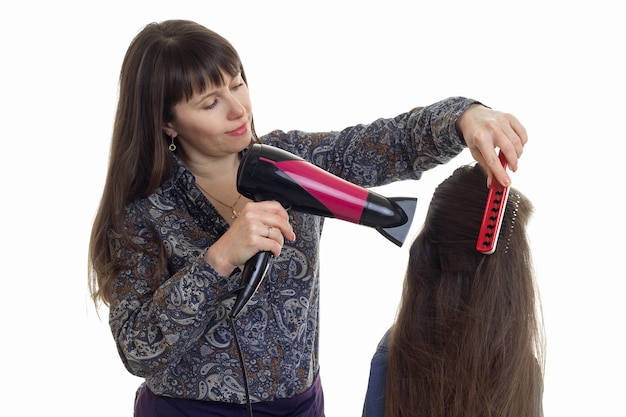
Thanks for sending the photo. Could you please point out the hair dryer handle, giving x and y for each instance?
(251, 277)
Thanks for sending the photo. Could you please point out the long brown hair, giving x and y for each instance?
(468, 339)
(165, 64)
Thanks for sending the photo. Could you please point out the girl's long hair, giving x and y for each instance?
(165, 64)
(468, 339)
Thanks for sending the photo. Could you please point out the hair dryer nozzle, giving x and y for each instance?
(398, 234)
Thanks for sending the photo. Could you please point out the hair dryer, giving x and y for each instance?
(269, 173)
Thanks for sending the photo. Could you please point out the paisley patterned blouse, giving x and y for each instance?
(173, 330)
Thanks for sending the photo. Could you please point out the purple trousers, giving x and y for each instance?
(308, 404)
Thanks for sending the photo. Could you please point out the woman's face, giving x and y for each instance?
(215, 122)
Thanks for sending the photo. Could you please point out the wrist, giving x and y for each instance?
(218, 263)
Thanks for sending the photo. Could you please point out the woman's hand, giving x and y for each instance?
(484, 130)
(261, 226)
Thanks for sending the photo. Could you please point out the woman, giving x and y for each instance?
(172, 232)
(467, 340)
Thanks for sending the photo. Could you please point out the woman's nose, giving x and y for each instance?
(236, 109)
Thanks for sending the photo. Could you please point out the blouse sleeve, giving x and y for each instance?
(155, 318)
(385, 150)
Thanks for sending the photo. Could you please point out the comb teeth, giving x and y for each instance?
(492, 217)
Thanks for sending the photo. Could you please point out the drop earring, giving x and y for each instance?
(172, 146)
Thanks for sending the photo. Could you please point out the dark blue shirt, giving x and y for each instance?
(375, 396)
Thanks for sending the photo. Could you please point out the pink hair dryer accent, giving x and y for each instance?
(269, 173)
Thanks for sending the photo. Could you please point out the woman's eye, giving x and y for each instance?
(236, 87)
(211, 105)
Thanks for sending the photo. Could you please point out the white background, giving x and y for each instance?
(556, 65)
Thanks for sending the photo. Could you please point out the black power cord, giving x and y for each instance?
(243, 366)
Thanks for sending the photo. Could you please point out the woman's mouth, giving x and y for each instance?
(239, 131)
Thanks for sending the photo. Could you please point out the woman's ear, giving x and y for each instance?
(169, 130)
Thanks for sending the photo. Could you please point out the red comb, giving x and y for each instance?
(492, 218)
